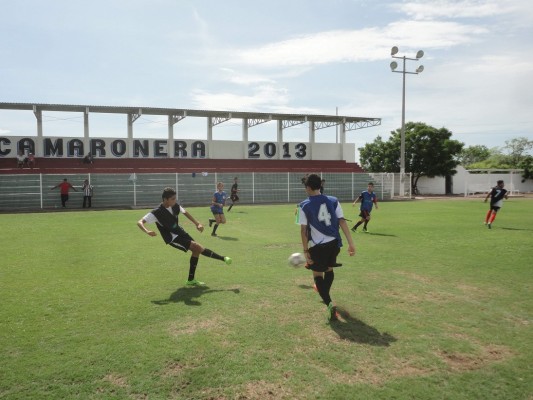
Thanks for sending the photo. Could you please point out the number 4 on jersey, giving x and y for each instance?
(324, 215)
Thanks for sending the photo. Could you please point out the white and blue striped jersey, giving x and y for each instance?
(321, 214)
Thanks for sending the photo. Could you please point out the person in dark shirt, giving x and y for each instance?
(368, 198)
(233, 195)
(166, 219)
(496, 194)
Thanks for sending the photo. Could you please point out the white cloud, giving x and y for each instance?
(452, 9)
(359, 45)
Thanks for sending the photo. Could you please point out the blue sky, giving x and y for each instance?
(291, 56)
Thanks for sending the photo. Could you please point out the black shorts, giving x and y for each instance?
(182, 241)
(324, 256)
(234, 197)
(494, 208)
(364, 214)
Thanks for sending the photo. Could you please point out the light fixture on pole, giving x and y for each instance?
(393, 67)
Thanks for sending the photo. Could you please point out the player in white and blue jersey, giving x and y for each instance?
(368, 199)
(217, 208)
(320, 217)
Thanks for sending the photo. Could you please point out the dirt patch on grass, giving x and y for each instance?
(487, 354)
(415, 277)
(185, 327)
(116, 380)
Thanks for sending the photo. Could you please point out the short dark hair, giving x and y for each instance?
(371, 183)
(499, 182)
(313, 181)
(168, 192)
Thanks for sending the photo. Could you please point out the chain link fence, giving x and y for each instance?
(33, 191)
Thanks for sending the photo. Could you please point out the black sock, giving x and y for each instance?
(328, 279)
(212, 254)
(192, 269)
(214, 228)
(356, 225)
(366, 223)
(229, 208)
(322, 289)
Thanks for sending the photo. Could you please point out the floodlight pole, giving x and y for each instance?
(402, 133)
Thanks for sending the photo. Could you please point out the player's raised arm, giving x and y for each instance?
(142, 227)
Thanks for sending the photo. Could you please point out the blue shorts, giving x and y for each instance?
(217, 210)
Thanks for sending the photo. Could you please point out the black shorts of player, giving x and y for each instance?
(324, 256)
(182, 241)
(494, 208)
(364, 214)
(234, 197)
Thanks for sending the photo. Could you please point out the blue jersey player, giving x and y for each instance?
(217, 208)
(368, 199)
(320, 217)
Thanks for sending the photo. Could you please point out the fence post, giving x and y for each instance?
(41, 188)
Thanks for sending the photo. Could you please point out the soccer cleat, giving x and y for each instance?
(489, 225)
(354, 229)
(194, 282)
(214, 234)
(332, 312)
(365, 230)
(228, 260)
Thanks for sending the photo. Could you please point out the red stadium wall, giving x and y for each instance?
(151, 165)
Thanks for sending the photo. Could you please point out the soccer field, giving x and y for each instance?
(434, 306)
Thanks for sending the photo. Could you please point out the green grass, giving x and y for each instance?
(434, 306)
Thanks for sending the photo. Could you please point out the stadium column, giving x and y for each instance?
(39, 145)
(86, 148)
(280, 139)
(245, 137)
(209, 136)
(170, 152)
(311, 139)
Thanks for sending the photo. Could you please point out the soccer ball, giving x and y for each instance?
(297, 260)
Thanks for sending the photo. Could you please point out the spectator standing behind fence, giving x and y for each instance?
(64, 187)
(31, 160)
(21, 159)
(87, 189)
(88, 159)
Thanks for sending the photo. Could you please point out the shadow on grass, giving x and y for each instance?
(379, 234)
(227, 238)
(514, 229)
(188, 295)
(355, 330)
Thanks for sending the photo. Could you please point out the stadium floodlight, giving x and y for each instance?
(393, 66)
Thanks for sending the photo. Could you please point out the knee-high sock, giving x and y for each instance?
(323, 291)
(328, 279)
(212, 254)
(487, 217)
(229, 208)
(193, 262)
(215, 228)
(492, 218)
(356, 225)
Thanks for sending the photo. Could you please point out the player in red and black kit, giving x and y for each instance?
(497, 194)
(234, 190)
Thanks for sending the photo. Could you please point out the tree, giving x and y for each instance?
(428, 152)
(473, 154)
(518, 147)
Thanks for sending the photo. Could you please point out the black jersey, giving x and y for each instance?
(497, 194)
